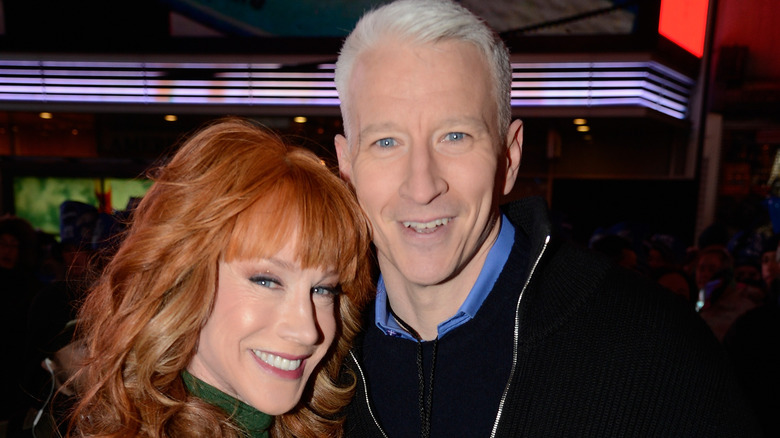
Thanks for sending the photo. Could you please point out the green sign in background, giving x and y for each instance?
(38, 199)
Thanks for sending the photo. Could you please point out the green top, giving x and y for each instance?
(254, 423)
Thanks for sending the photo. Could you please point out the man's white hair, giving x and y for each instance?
(426, 21)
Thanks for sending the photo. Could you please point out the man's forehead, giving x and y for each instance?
(442, 84)
(390, 53)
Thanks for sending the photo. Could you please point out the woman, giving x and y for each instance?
(243, 274)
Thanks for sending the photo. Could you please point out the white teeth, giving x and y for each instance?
(422, 227)
(278, 362)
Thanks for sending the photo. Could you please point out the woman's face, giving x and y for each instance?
(271, 325)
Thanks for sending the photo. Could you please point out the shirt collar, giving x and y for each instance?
(494, 264)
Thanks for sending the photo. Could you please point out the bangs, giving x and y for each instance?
(307, 204)
(262, 230)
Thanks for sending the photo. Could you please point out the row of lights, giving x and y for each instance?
(45, 115)
(582, 126)
(48, 116)
(168, 117)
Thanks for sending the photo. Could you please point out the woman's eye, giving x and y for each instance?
(325, 291)
(268, 282)
(454, 136)
(386, 142)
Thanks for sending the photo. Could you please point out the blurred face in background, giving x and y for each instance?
(708, 264)
(770, 268)
(747, 274)
(9, 251)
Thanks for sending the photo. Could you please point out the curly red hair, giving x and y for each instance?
(142, 319)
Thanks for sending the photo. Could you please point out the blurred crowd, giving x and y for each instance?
(731, 278)
(43, 280)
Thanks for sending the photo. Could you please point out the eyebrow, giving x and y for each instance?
(376, 127)
(282, 263)
(290, 267)
(390, 126)
(468, 120)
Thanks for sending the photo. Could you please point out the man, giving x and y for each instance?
(484, 325)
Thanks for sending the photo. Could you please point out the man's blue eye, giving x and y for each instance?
(386, 142)
(455, 136)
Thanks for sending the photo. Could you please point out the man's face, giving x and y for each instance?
(423, 156)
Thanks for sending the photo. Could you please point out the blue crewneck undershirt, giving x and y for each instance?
(494, 263)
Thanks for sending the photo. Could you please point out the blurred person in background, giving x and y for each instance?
(18, 249)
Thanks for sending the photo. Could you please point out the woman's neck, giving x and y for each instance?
(249, 419)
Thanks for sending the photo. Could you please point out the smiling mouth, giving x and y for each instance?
(426, 227)
(278, 362)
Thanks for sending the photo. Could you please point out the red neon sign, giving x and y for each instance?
(684, 22)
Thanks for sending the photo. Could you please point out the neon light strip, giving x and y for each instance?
(142, 65)
(175, 100)
(636, 83)
(51, 91)
(78, 85)
(157, 83)
(246, 75)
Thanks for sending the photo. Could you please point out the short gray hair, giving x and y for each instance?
(427, 21)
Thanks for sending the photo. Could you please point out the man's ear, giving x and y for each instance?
(344, 157)
(514, 150)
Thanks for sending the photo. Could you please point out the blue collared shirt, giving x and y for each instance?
(494, 263)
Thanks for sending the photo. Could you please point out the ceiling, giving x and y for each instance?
(140, 19)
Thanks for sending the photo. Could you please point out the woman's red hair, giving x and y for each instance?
(232, 191)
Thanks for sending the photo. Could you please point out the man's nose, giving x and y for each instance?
(423, 180)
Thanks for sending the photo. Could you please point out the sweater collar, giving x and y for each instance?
(255, 423)
(530, 216)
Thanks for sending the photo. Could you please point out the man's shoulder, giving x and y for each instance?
(573, 284)
(530, 215)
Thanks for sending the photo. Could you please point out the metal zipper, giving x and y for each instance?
(365, 391)
(517, 336)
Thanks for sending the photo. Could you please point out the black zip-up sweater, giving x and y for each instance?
(592, 350)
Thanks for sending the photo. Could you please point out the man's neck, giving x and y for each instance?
(424, 307)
